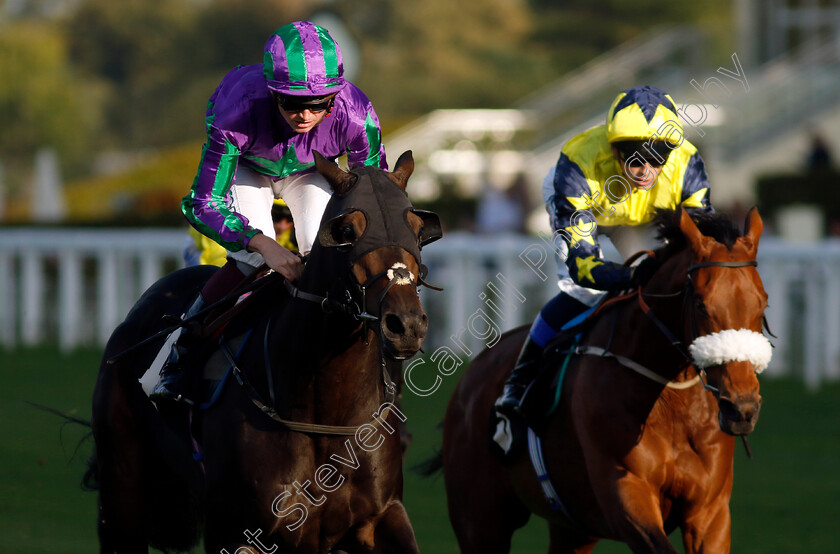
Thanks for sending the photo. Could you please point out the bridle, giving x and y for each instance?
(346, 306)
(687, 293)
(357, 309)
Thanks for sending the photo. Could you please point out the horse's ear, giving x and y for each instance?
(752, 230)
(700, 243)
(339, 180)
(403, 169)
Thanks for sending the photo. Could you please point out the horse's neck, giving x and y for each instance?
(336, 361)
(337, 380)
(642, 340)
(307, 320)
(349, 382)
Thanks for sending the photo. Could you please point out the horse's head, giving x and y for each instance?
(725, 313)
(374, 236)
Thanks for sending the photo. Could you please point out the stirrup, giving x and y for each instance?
(172, 374)
(520, 380)
(510, 401)
(162, 393)
(172, 379)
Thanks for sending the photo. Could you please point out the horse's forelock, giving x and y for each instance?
(717, 226)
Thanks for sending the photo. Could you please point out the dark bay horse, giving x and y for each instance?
(301, 451)
(632, 457)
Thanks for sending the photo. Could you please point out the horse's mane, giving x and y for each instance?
(716, 225)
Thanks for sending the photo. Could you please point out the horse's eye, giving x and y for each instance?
(346, 234)
(701, 307)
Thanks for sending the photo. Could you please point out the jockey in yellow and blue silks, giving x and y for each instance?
(609, 181)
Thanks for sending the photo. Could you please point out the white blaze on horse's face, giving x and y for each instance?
(400, 280)
(731, 345)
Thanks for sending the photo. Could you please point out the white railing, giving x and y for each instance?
(74, 286)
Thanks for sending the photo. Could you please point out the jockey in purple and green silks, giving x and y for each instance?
(263, 123)
(248, 128)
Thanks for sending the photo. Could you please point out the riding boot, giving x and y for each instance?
(523, 373)
(176, 373)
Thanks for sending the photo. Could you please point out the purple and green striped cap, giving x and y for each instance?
(302, 59)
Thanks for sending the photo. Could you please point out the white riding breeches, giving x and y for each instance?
(253, 195)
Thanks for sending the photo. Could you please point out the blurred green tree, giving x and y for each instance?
(165, 57)
(43, 99)
(141, 48)
(575, 31)
(444, 54)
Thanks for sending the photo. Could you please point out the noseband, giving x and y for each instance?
(397, 274)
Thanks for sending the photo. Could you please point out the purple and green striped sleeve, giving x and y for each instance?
(366, 147)
(206, 206)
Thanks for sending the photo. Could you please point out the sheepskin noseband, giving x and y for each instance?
(731, 345)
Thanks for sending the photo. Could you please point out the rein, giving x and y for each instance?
(638, 368)
(306, 428)
(688, 292)
(198, 316)
(328, 305)
(351, 308)
(395, 275)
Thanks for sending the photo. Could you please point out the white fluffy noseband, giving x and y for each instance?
(730, 345)
(400, 280)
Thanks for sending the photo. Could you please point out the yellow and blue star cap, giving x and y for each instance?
(640, 113)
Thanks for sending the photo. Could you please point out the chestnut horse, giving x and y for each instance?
(301, 451)
(631, 457)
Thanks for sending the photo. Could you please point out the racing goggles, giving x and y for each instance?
(316, 104)
(637, 153)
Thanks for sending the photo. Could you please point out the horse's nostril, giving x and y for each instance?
(394, 324)
(751, 411)
(746, 411)
(728, 409)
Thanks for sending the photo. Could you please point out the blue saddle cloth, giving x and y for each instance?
(217, 372)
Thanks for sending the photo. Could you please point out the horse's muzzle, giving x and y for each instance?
(738, 417)
(403, 332)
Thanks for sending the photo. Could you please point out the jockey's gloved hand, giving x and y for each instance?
(644, 271)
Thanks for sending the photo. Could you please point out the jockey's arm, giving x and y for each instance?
(587, 266)
(206, 206)
(364, 141)
(695, 197)
(565, 191)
